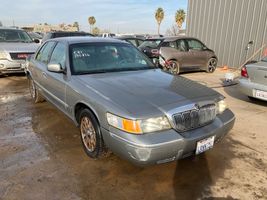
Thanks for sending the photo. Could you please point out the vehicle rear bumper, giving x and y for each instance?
(249, 88)
(165, 146)
(10, 66)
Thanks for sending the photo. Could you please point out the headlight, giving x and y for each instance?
(138, 126)
(221, 107)
(3, 55)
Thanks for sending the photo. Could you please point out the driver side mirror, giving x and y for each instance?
(36, 41)
(55, 67)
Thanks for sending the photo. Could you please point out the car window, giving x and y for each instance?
(43, 54)
(195, 44)
(140, 42)
(169, 44)
(86, 58)
(181, 46)
(59, 55)
(10, 35)
(151, 43)
(47, 36)
(132, 41)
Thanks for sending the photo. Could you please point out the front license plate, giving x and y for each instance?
(261, 94)
(204, 145)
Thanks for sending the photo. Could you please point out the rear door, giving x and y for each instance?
(183, 57)
(56, 82)
(197, 53)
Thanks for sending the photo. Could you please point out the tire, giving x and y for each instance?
(35, 94)
(91, 136)
(211, 65)
(174, 67)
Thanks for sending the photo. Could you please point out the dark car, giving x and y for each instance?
(57, 34)
(151, 47)
(136, 41)
(186, 54)
(120, 101)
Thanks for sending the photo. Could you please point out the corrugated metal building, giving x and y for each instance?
(226, 26)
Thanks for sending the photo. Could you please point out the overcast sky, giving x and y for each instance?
(122, 16)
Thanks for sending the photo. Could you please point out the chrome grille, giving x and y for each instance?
(194, 118)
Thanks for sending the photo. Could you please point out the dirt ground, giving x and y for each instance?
(41, 156)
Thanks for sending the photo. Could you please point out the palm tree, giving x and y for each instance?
(180, 18)
(91, 21)
(159, 15)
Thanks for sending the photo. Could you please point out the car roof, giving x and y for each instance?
(77, 39)
(128, 37)
(10, 28)
(156, 38)
(171, 39)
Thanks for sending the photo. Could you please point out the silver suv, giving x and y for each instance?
(15, 46)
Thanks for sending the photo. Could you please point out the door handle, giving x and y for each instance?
(44, 75)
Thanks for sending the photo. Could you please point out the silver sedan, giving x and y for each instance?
(121, 101)
(253, 80)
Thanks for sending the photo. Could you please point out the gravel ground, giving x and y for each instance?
(41, 156)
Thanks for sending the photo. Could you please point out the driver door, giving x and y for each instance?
(56, 82)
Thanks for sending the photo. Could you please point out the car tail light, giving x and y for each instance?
(244, 72)
(155, 51)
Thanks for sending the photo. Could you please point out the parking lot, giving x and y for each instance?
(41, 155)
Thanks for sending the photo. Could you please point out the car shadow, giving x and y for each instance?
(234, 92)
(12, 75)
(195, 175)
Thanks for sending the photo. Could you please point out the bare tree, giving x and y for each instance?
(173, 30)
(96, 31)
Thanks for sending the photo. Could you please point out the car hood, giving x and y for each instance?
(147, 92)
(18, 47)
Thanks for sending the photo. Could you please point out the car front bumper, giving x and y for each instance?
(249, 88)
(12, 66)
(165, 146)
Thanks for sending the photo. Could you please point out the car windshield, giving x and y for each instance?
(35, 35)
(88, 58)
(8, 35)
(151, 43)
(264, 59)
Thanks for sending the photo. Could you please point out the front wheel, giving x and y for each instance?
(91, 137)
(35, 94)
(211, 65)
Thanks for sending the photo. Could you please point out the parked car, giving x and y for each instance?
(121, 101)
(35, 36)
(253, 80)
(178, 54)
(56, 34)
(108, 35)
(151, 47)
(15, 46)
(136, 41)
